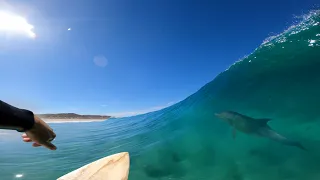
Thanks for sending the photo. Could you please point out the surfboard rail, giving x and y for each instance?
(113, 167)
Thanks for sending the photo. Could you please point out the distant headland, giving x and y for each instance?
(72, 116)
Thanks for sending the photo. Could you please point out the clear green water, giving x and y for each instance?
(279, 80)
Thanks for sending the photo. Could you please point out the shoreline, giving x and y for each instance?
(51, 121)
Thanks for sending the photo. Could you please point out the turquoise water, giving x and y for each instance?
(279, 80)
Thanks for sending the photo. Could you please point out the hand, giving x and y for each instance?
(41, 134)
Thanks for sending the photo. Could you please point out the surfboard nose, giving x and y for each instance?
(112, 167)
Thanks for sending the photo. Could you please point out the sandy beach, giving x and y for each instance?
(72, 120)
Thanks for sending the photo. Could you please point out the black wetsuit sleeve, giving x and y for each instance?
(14, 118)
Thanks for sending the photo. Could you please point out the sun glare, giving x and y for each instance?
(12, 23)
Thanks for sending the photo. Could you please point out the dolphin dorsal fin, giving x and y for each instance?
(264, 120)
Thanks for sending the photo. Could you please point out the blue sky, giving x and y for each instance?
(126, 57)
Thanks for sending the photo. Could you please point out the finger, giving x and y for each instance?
(49, 145)
(27, 139)
(24, 135)
(36, 145)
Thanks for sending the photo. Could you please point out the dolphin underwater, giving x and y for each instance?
(252, 126)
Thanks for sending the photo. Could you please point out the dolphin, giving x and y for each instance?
(253, 126)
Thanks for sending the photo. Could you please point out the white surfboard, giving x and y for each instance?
(113, 167)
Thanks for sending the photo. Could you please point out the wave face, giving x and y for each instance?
(279, 80)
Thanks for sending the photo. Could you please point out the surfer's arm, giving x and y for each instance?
(22, 120)
(14, 118)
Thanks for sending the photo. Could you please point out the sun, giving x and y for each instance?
(11, 23)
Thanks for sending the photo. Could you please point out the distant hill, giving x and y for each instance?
(71, 116)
